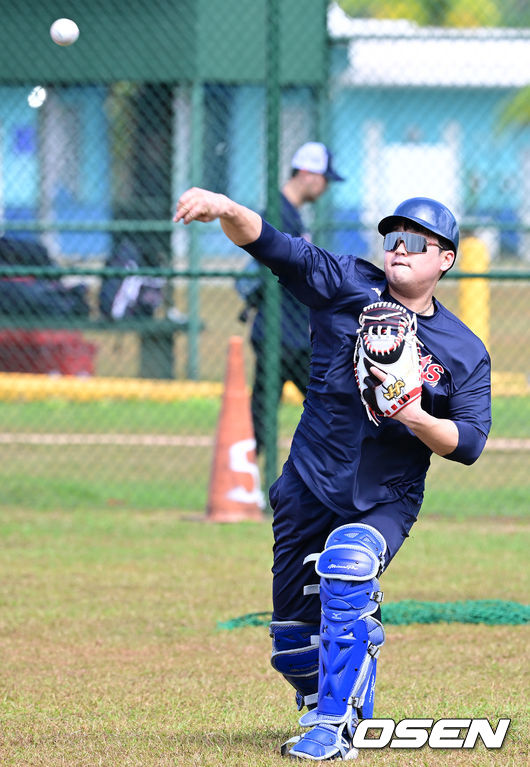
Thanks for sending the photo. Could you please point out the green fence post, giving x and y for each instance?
(272, 293)
(197, 120)
(157, 355)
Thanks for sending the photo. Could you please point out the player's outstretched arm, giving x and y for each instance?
(240, 224)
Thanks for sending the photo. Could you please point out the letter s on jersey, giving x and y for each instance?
(431, 372)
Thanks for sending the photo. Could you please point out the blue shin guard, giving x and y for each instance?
(295, 655)
(350, 639)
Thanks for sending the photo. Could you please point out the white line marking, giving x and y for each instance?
(176, 440)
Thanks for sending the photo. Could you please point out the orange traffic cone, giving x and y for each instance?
(235, 489)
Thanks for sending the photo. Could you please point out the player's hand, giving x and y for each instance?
(409, 413)
(240, 224)
(200, 205)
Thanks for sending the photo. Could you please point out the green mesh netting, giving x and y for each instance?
(491, 612)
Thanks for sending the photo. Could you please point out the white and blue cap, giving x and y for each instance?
(315, 157)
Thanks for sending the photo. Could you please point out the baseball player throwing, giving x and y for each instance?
(394, 378)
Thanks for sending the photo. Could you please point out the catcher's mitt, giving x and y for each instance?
(387, 340)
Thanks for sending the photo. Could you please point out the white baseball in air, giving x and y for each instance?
(64, 31)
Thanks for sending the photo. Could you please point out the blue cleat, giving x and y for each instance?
(323, 742)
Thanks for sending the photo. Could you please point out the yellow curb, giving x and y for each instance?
(25, 386)
(29, 387)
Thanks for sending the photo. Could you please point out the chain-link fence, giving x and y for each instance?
(114, 322)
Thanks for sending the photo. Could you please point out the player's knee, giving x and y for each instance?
(353, 552)
(353, 557)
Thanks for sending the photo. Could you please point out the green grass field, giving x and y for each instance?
(59, 474)
(111, 653)
(112, 584)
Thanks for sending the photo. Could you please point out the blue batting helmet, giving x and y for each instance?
(430, 214)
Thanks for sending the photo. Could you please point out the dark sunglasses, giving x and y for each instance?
(414, 243)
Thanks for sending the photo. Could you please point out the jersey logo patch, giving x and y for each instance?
(431, 372)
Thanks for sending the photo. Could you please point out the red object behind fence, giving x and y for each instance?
(55, 352)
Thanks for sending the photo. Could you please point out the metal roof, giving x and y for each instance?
(388, 52)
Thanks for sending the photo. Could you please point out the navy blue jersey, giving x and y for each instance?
(294, 316)
(349, 463)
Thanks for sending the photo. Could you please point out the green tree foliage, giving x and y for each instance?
(445, 13)
(517, 110)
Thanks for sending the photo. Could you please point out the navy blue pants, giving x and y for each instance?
(301, 526)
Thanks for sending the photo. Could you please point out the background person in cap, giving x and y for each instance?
(351, 488)
(311, 172)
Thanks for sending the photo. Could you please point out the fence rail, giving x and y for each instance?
(56, 272)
